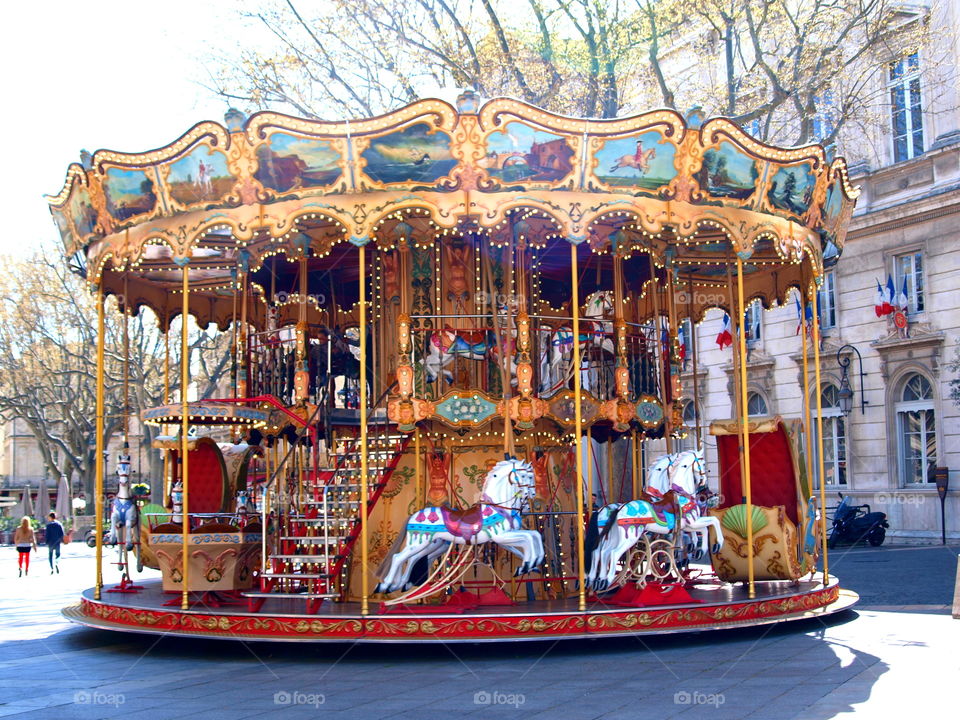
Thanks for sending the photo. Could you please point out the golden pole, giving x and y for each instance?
(816, 370)
(737, 408)
(634, 452)
(589, 508)
(693, 356)
(364, 527)
(662, 360)
(578, 422)
(745, 423)
(808, 426)
(166, 399)
(417, 474)
(98, 460)
(184, 410)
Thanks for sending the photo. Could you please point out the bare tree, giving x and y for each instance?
(48, 340)
(792, 71)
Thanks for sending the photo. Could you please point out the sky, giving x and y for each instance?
(98, 74)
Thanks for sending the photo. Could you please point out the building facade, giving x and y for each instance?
(906, 231)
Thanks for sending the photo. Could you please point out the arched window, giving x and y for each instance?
(834, 439)
(756, 404)
(916, 430)
(690, 420)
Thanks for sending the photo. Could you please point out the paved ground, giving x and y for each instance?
(896, 654)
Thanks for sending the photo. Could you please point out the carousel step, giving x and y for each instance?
(312, 540)
(307, 595)
(296, 576)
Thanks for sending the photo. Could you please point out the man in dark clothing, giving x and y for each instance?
(54, 537)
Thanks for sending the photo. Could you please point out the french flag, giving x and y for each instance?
(902, 297)
(682, 342)
(725, 338)
(878, 302)
(796, 299)
(889, 297)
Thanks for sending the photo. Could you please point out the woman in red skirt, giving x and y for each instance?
(25, 540)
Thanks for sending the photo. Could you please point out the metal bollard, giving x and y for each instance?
(956, 592)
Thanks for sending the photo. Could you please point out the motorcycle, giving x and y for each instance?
(90, 538)
(853, 523)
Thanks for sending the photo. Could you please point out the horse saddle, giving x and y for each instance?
(463, 523)
(664, 506)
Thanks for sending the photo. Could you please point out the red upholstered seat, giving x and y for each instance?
(207, 480)
(772, 479)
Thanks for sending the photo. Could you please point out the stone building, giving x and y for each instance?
(906, 226)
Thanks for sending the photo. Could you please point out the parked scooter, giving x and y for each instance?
(90, 538)
(853, 523)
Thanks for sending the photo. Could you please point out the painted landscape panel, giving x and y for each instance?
(83, 214)
(642, 161)
(288, 162)
(200, 176)
(128, 192)
(792, 188)
(414, 154)
(519, 152)
(727, 172)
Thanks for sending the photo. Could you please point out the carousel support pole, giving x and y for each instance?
(589, 508)
(98, 459)
(816, 371)
(184, 458)
(745, 424)
(807, 424)
(578, 424)
(693, 353)
(672, 360)
(364, 525)
(167, 469)
(635, 474)
(244, 346)
(661, 359)
(418, 469)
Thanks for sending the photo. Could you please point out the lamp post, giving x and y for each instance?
(846, 392)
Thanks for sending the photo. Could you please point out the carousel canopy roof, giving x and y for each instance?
(249, 196)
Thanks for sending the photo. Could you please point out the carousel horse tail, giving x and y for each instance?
(592, 539)
(397, 544)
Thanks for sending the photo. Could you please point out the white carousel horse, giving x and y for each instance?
(507, 488)
(675, 488)
(124, 514)
(595, 331)
(686, 470)
(444, 345)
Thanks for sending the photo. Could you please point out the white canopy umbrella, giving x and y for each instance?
(64, 507)
(43, 501)
(25, 507)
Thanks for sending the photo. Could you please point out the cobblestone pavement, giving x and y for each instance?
(895, 654)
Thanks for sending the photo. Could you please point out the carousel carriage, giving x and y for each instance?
(451, 329)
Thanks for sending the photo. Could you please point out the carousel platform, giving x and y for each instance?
(285, 620)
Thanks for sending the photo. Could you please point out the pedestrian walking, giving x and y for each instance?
(25, 540)
(54, 538)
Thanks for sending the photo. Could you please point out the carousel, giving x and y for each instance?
(461, 344)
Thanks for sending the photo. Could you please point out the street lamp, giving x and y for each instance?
(846, 392)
